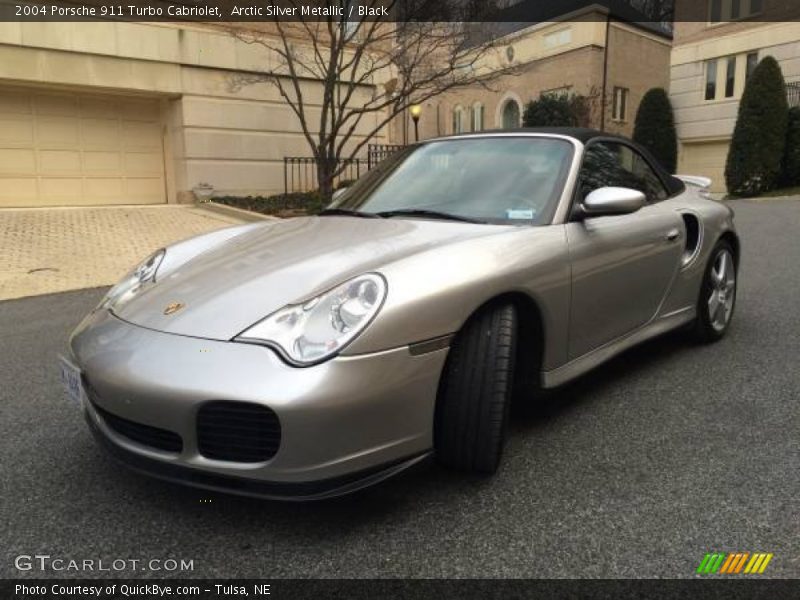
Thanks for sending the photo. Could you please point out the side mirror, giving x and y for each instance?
(607, 201)
(338, 193)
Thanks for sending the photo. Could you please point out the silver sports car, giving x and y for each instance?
(309, 357)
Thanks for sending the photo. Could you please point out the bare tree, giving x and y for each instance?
(658, 11)
(371, 70)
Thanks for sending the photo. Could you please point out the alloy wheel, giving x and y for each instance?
(723, 290)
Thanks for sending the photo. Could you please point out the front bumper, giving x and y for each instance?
(345, 423)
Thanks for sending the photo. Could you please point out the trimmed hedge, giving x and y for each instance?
(557, 111)
(280, 205)
(548, 111)
(791, 157)
(655, 128)
(756, 155)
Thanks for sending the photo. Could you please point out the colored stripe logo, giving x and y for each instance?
(734, 563)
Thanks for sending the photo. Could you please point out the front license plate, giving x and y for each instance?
(71, 378)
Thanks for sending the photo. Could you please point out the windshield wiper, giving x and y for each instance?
(422, 212)
(346, 212)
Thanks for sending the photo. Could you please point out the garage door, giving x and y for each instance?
(707, 159)
(61, 149)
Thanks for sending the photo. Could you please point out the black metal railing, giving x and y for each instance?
(793, 93)
(377, 152)
(300, 172)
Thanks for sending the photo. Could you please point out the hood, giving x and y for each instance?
(229, 288)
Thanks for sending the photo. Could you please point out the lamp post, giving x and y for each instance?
(416, 111)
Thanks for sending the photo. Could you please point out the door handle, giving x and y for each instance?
(672, 235)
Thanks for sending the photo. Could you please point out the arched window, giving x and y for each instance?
(476, 117)
(511, 114)
(458, 119)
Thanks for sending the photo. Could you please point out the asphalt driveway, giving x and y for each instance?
(637, 470)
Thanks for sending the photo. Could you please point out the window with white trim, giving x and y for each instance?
(730, 76)
(458, 119)
(351, 22)
(725, 77)
(476, 116)
(619, 106)
(732, 10)
(752, 63)
(711, 79)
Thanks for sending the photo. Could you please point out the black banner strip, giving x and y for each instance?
(653, 13)
(374, 589)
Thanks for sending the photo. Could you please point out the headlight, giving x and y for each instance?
(313, 331)
(145, 272)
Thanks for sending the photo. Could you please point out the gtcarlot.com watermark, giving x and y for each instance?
(48, 563)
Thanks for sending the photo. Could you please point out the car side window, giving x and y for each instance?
(618, 165)
(601, 168)
(655, 188)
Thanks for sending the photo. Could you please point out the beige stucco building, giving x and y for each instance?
(711, 60)
(141, 113)
(135, 113)
(589, 52)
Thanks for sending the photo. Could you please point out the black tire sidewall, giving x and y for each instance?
(477, 361)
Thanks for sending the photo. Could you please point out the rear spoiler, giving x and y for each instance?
(704, 183)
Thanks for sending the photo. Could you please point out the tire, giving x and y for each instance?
(717, 296)
(475, 392)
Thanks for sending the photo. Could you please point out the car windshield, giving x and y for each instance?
(498, 179)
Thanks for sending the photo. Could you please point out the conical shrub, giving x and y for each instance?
(655, 128)
(755, 157)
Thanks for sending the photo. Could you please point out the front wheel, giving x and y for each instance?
(474, 396)
(717, 295)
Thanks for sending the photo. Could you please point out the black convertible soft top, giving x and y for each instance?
(582, 134)
(585, 135)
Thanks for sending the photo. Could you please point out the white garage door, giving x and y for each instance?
(63, 149)
(707, 159)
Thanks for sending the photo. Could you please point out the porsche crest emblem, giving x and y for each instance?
(173, 307)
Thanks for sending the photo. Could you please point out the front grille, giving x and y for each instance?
(146, 435)
(237, 431)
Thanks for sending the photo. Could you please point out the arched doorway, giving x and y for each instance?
(511, 114)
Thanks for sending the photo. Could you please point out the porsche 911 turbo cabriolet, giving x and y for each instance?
(309, 357)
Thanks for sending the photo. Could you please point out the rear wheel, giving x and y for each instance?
(474, 396)
(717, 295)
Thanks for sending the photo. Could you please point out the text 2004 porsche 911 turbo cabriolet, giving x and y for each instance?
(308, 357)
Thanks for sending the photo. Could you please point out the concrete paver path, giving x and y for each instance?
(53, 250)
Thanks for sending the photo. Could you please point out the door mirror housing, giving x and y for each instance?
(608, 201)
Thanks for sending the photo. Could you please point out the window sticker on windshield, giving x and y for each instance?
(520, 213)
